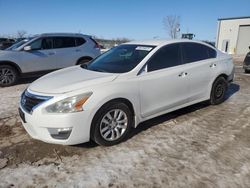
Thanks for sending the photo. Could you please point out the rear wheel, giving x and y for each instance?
(8, 75)
(112, 124)
(218, 91)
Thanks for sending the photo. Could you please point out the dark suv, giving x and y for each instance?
(246, 63)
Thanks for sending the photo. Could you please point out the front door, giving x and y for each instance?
(164, 85)
(41, 57)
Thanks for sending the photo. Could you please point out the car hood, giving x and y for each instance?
(69, 79)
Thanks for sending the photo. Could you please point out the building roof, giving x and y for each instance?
(234, 18)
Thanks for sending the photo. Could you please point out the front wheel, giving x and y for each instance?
(218, 91)
(112, 124)
(8, 75)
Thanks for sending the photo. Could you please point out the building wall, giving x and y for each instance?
(228, 30)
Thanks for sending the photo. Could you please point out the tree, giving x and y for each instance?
(21, 34)
(172, 25)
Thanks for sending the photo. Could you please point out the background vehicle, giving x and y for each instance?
(5, 43)
(126, 85)
(246, 63)
(44, 53)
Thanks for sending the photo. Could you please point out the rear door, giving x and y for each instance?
(65, 51)
(201, 64)
(165, 84)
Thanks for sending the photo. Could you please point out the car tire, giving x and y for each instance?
(8, 75)
(218, 91)
(247, 71)
(83, 61)
(112, 124)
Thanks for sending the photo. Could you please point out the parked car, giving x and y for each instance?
(5, 43)
(43, 53)
(246, 63)
(127, 85)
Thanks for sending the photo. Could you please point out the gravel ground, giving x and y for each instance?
(199, 146)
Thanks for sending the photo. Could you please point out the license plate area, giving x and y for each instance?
(22, 115)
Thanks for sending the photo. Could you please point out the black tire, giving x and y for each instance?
(83, 61)
(8, 75)
(247, 71)
(218, 91)
(97, 124)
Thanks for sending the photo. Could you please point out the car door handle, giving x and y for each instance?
(213, 65)
(183, 74)
(78, 50)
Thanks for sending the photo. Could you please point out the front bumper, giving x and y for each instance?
(40, 125)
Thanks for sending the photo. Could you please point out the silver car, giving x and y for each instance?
(44, 53)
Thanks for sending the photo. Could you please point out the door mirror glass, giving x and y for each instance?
(27, 48)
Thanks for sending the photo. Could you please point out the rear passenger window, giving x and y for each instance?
(211, 53)
(79, 41)
(64, 42)
(193, 52)
(168, 56)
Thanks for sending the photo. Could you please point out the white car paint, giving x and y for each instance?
(151, 93)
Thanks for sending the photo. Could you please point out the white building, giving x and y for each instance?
(233, 35)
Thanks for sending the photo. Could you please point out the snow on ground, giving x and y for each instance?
(199, 146)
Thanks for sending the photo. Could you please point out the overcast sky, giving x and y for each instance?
(134, 19)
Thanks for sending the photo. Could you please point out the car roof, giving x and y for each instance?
(62, 34)
(162, 42)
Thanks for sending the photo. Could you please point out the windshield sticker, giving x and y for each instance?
(145, 48)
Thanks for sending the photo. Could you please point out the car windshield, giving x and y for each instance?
(119, 59)
(18, 44)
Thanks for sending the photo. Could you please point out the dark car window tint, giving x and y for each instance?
(168, 56)
(79, 41)
(47, 43)
(193, 52)
(64, 42)
(211, 53)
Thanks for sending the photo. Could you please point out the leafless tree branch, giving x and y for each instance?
(172, 25)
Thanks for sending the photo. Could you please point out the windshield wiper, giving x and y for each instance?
(98, 70)
(85, 66)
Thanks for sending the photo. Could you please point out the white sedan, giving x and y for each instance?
(127, 85)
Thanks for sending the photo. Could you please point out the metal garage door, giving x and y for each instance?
(243, 40)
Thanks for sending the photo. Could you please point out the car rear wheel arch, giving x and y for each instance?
(83, 60)
(223, 78)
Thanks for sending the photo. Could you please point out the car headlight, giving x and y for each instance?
(69, 105)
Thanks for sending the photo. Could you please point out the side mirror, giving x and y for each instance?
(27, 48)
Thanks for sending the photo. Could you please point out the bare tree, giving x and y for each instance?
(21, 34)
(172, 25)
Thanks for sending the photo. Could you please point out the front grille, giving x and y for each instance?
(29, 101)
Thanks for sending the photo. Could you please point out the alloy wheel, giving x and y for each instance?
(113, 124)
(7, 76)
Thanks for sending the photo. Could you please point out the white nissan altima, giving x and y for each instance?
(127, 85)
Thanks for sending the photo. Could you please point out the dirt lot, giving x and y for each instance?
(199, 146)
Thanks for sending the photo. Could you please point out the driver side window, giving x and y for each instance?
(42, 44)
(167, 56)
